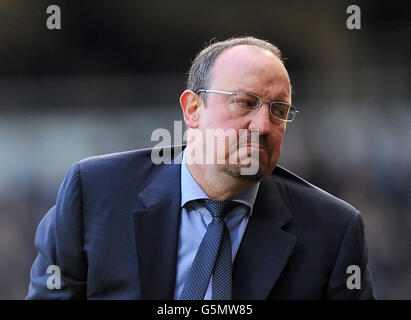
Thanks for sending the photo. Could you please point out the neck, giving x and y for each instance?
(217, 184)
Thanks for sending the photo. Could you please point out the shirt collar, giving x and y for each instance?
(190, 190)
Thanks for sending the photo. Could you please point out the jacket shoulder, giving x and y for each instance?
(118, 171)
(115, 159)
(304, 196)
(143, 158)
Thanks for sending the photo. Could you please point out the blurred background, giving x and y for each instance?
(114, 73)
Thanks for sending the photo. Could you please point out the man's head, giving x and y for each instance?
(239, 65)
(199, 75)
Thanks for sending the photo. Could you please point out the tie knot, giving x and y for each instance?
(219, 208)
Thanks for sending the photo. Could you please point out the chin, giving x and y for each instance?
(235, 171)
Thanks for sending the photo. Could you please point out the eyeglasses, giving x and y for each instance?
(247, 101)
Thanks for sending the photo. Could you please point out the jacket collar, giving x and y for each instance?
(156, 228)
(265, 247)
(263, 253)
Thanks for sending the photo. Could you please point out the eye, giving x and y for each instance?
(246, 101)
(279, 110)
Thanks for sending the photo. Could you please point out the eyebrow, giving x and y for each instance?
(283, 96)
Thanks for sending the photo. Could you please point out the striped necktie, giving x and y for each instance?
(213, 257)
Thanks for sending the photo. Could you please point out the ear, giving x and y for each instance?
(190, 103)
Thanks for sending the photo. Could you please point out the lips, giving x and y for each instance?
(257, 146)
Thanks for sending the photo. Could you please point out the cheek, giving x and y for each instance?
(278, 135)
(219, 120)
(276, 138)
(217, 115)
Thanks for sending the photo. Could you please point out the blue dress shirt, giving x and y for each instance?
(195, 219)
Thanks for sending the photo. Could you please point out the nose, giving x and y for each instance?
(261, 120)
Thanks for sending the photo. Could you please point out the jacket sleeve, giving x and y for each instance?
(350, 278)
(60, 269)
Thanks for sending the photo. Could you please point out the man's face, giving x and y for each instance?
(251, 69)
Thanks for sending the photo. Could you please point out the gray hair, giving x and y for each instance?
(199, 75)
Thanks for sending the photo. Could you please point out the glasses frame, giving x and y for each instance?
(291, 109)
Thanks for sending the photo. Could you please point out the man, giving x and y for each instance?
(126, 228)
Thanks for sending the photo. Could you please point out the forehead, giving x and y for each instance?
(250, 68)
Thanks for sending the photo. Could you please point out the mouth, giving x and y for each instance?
(255, 146)
(254, 149)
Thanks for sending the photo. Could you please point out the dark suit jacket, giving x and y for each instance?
(114, 234)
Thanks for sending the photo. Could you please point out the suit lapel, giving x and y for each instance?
(262, 256)
(156, 228)
(265, 248)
